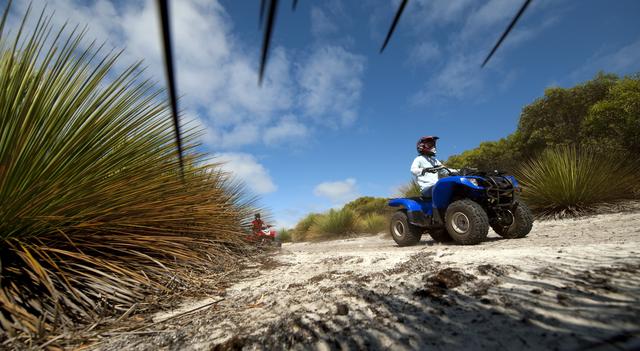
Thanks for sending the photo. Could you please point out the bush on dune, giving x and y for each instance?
(301, 230)
(411, 189)
(568, 181)
(94, 212)
(367, 205)
(284, 235)
(374, 223)
(335, 224)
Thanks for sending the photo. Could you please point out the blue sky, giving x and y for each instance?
(334, 119)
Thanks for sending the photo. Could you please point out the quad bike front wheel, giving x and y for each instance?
(467, 222)
(403, 232)
(520, 226)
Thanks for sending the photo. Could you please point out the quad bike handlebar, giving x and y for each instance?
(436, 169)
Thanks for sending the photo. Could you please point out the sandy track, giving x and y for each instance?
(569, 285)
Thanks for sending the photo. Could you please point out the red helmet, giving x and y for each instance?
(427, 145)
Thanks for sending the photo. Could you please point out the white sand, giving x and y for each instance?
(569, 285)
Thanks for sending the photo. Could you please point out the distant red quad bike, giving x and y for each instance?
(265, 237)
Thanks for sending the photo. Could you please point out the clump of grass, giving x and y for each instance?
(301, 230)
(335, 224)
(284, 235)
(569, 181)
(95, 214)
(366, 205)
(374, 223)
(411, 189)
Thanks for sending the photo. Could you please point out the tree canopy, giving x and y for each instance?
(603, 113)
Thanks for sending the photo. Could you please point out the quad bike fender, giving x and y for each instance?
(513, 181)
(418, 211)
(445, 188)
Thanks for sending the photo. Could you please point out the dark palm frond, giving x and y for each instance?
(394, 24)
(266, 42)
(262, 8)
(168, 64)
(506, 32)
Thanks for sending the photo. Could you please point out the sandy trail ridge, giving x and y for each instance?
(569, 285)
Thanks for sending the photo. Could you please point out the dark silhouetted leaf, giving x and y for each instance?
(506, 32)
(273, 6)
(168, 60)
(394, 24)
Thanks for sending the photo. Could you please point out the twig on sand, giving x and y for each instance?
(126, 314)
(172, 317)
(140, 332)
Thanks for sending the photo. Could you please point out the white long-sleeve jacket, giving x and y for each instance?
(420, 163)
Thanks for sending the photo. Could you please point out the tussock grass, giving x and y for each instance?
(335, 224)
(569, 181)
(411, 189)
(94, 212)
(284, 235)
(301, 231)
(374, 223)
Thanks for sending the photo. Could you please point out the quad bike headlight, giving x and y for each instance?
(473, 181)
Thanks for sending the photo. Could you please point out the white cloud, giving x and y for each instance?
(287, 129)
(338, 191)
(460, 77)
(321, 24)
(622, 61)
(424, 52)
(431, 13)
(331, 83)
(248, 169)
(217, 76)
(473, 28)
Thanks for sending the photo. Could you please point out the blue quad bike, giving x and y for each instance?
(462, 207)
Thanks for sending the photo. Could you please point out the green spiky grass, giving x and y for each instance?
(411, 189)
(568, 181)
(374, 223)
(94, 212)
(301, 230)
(335, 224)
(284, 235)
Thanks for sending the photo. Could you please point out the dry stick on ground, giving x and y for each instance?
(136, 330)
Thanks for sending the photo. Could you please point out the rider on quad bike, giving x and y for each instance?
(424, 162)
(262, 233)
(460, 206)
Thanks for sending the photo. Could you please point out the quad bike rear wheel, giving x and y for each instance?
(520, 226)
(403, 232)
(467, 222)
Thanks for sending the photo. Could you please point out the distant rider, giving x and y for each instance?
(257, 225)
(422, 164)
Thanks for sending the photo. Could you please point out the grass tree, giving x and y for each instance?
(567, 181)
(95, 212)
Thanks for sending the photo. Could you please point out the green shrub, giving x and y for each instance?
(366, 205)
(335, 224)
(410, 189)
(301, 229)
(284, 235)
(374, 223)
(567, 181)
